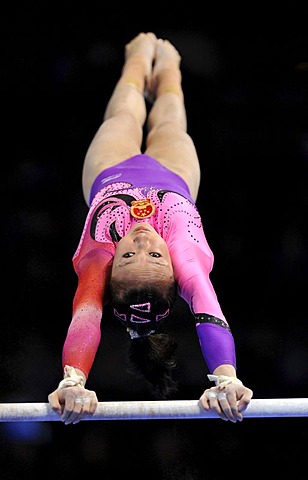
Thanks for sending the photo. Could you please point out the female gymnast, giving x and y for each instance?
(143, 242)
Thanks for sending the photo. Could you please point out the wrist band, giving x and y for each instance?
(222, 381)
(71, 378)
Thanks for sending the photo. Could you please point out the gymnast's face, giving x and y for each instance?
(142, 255)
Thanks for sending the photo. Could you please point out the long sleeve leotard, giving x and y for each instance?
(178, 221)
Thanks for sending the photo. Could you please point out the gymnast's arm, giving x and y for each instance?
(71, 399)
(192, 267)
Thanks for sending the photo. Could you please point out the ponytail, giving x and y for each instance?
(153, 358)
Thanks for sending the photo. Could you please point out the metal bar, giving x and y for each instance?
(155, 410)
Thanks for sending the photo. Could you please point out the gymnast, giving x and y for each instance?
(143, 242)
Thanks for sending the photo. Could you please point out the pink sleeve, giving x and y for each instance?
(84, 333)
(192, 267)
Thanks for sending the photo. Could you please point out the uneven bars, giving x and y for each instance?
(155, 410)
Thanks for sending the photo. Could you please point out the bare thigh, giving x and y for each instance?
(174, 148)
(117, 139)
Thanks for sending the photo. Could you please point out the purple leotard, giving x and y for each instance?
(141, 171)
(178, 222)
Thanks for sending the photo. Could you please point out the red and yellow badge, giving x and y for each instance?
(142, 208)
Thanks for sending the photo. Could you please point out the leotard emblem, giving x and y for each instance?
(142, 208)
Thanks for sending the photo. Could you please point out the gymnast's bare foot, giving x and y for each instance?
(166, 74)
(139, 55)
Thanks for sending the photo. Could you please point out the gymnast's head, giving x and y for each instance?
(142, 292)
(142, 284)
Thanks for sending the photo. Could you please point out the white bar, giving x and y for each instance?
(155, 410)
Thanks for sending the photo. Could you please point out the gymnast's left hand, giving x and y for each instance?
(228, 403)
(73, 404)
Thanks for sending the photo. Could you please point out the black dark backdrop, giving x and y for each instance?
(245, 80)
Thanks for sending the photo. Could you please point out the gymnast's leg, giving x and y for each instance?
(120, 135)
(168, 141)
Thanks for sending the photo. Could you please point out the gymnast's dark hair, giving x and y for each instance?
(151, 353)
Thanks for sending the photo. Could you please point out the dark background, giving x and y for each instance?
(245, 82)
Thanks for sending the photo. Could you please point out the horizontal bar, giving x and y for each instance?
(150, 410)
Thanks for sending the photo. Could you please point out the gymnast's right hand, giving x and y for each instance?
(73, 404)
(71, 400)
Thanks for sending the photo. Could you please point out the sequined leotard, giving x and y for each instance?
(177, 220)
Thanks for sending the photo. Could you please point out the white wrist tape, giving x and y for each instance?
(71, 378)
(222, 381)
